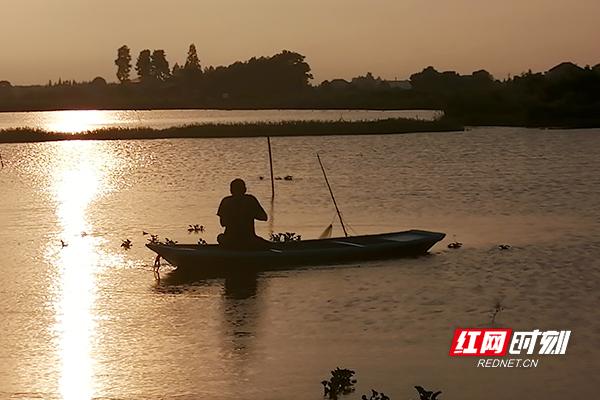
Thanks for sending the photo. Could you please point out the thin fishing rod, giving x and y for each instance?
(332, 196)
(271, 166)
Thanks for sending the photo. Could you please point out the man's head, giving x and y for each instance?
(237, 187)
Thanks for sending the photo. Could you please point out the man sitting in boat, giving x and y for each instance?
(237, 214)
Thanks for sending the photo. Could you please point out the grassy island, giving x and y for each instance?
(231, 130)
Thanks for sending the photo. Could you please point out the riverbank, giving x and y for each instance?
(231, 130)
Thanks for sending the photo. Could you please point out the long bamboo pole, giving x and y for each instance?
(332, 196)
(271, 167)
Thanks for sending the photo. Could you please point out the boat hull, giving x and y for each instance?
(214, 259)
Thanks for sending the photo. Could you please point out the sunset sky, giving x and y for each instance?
(74, 39)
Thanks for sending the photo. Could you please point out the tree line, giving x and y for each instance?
(154, 66)
(282, 74)
(566, 95)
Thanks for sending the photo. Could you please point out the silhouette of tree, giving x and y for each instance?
(143, 66)
(192, 62)
(159, 66)
(98, 81)
(284, 75)
(5, 88)
(123, 63)
(176, 71)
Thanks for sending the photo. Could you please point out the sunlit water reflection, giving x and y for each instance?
(78, 178)
(77, 121)
(89, 321)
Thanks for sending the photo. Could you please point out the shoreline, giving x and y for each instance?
(241, 130)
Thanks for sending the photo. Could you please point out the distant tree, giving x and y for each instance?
(5, 88)
(123, 63)
(192, 62)
(159, 66)
(143, 66)
(368, 82)
(98, 81)
(176, 71)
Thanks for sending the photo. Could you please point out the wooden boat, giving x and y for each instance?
(214, 259)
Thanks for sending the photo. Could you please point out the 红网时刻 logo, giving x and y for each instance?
(499, 342)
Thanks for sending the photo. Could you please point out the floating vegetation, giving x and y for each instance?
(426, 394)
(169, 242)
(84, 234)
(282, 237)
(202, 242)
(288, 178)
(341, 382)
(126, 244)
(456, 244)
(498, 307)
(144, 233)
(504, 246)
(195, 228)
(63, 243)
(153, 239)
(375, 395)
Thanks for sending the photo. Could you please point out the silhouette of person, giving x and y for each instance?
(237, 214)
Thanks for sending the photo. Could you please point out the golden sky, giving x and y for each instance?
(77, 39)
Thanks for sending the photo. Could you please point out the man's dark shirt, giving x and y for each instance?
(237, 215)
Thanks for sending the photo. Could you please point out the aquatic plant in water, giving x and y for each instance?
(281, 237)
(341, 382)
(375, 395)
(167, 242)
(195, 228)
(153, 239)
(426, 394)
(498, 307)
(455, 245)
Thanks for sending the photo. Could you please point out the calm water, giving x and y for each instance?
(78, 121)
(89, 320)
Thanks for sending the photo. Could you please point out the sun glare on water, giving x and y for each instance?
(77, 121)
(77, 180)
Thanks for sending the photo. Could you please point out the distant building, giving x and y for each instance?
(563, 70)
(367, 83)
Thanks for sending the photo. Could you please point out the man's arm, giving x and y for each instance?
(261, 214)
